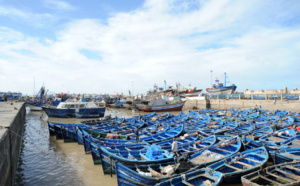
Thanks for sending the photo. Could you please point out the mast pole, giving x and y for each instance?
(225, 79)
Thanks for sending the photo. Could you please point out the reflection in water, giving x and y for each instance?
(40, 163)
(47, 161)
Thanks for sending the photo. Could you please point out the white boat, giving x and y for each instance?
(75, 108)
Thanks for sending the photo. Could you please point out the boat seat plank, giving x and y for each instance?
(252, 160)
(187, 183)
(277, 139)
(280, 177)
(291, 155)
(291, 167)
(203, 159)
(245, 164)
(203, 175)
(235, 168)
(254, 178)
(223, 150)
(272, 181)
(284, 172)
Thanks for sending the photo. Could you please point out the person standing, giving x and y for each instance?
(136, 132)
(175, 147)
(5, 97)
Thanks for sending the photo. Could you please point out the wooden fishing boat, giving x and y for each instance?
(241, 164)
(51, 128)
(278, 136)
(216, 152)
(153, 154)
(220, 130)
(87, 136)
(256, 134)
(128, 146)
(181, 140)
(270, 146)
(161, 106)
(285, 122)
(71, 107)
(168, 134)
(285, 174)
(149, 174)
(201, 177)
(285, 155)
(90, 136)
(242, 130)
(193, 146)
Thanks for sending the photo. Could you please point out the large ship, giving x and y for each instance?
(220, 88)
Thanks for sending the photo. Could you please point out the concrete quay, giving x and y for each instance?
(289, 105)
(12, 119)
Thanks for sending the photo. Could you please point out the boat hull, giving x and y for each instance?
(71, 113)
(161, 108)
(34, 108)
(224, 90)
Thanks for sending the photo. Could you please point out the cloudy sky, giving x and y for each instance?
(112, 46)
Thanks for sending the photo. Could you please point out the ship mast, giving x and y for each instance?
(225, 79)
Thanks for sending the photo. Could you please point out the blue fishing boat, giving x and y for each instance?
(96, 137)
(201, 177)
(195, 146)
(72, 107)
(153, 154)
(285, 122)
(150, 174)
(38, 101)
(169, 134)
(132, 146)
(256, 134)
(216, 152)
(241, 164)
(285, 155)
(51, 128)
(270, 146)
(278, 136)
(285, 174)
(242, 130)
(228, 126)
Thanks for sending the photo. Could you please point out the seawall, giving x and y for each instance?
(12, 119)
(289, 105)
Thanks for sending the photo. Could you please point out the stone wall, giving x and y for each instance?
(5, 165)
(12, 124)
(291, 105)
(281, 91)
(196, 104)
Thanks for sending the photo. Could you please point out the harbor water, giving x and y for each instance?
(47, 161)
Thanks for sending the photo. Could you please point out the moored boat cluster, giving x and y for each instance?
(205, 147)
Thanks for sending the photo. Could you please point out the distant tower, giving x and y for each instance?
(165, 85)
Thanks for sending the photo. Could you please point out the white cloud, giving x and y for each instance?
(157, 42)
(35, 19)
(61, 5)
